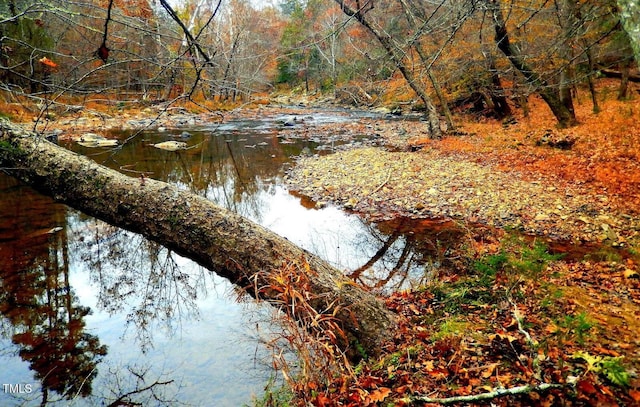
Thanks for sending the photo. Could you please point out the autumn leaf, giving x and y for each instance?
(48, 63)
(586, 387)
(322, 400)
(488, 372)
(378, 395)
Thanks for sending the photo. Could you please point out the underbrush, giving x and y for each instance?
(506, 330)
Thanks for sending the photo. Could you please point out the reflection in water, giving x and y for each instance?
(134, 275)
(47, 323)
(72, 285)
(410, 252)
(171, 330)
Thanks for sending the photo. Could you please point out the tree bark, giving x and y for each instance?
(565, 117)
(243, 252)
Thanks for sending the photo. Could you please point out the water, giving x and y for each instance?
(94, 313)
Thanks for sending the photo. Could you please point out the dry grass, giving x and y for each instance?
(314, 338)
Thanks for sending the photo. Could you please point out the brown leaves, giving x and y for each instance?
(377, 396)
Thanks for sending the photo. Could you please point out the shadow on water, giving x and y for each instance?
(96, 314)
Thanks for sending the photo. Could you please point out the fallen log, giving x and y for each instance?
(245, 253)
(611, 73)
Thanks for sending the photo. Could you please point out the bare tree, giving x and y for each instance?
(398, 56)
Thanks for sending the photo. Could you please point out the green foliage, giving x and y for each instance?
(534, 260)
(450, 328)
(489, 266)
(578, 325)
(607, 366)
(615, 371)
(281, 396)
(516, 258)
(552, 297)
(8, 146)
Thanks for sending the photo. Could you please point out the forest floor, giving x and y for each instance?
(510, 315)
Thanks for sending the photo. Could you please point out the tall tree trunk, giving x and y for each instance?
(565, 117)
(498, 98)
(433, 119)
(592, 85)
(623, 89)
(245, 253)
(630, 19)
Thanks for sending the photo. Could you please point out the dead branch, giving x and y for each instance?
(490, 395)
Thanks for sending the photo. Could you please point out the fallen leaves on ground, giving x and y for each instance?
(571, 323)
(384, 184)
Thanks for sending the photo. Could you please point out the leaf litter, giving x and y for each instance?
(513, 317)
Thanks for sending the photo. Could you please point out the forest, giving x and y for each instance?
(500, 137)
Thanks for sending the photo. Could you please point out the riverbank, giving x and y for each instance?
(512, 316)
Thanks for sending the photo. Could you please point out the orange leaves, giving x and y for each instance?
(48, 63)
(377, 395)
(133, 8)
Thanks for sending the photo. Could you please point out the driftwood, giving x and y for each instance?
(228, 244)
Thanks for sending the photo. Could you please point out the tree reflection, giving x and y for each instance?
(408, 252)
(47, 322)
(140, 277)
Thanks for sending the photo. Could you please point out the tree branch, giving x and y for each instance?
(492, 394)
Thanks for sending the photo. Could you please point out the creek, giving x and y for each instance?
(93, 313)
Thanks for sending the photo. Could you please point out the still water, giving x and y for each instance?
(91, 314)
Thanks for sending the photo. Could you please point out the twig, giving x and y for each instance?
(491, 395)
(518, 318)
(384, 183)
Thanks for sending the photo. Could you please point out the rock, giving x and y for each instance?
(99, 143)
(290, 122)
(171, 145)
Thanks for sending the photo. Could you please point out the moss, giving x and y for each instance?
(11, 148)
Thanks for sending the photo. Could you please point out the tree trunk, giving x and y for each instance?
(565, 117)
(591, 81)
(245, 253)
(433, 119)
(623, 89)
(498, 97)
(630, 19)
